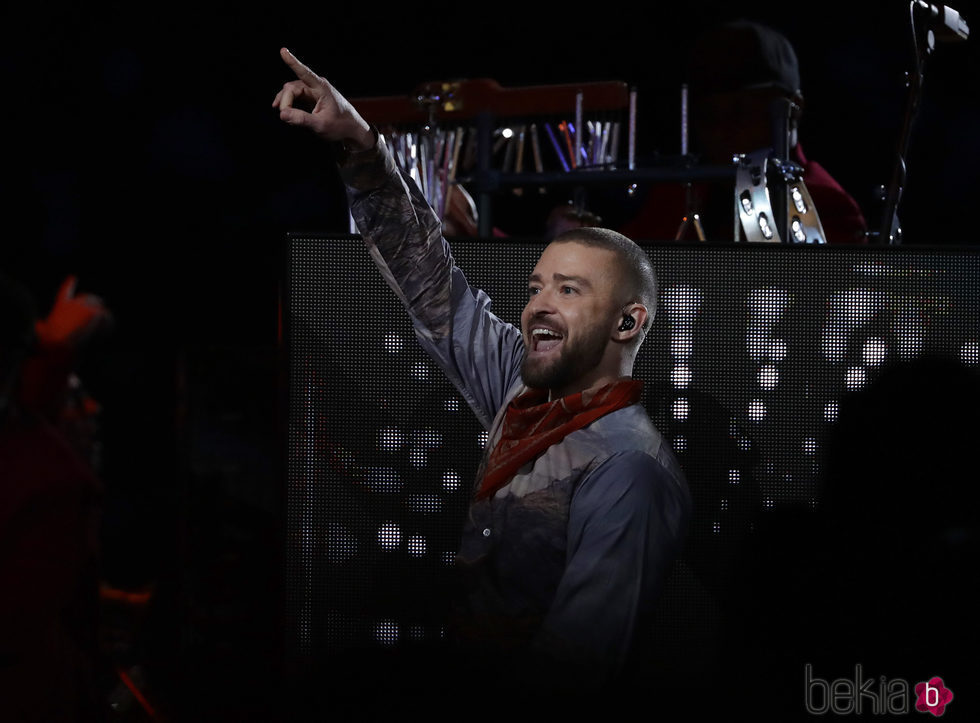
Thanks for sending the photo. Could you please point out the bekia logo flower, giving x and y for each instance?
(932, 696)
(859, 693)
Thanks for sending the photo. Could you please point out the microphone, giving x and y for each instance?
(945, 22)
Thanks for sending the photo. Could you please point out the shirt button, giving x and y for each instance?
(486, 532)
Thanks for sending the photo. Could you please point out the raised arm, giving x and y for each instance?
(479, 353)
(311, 102)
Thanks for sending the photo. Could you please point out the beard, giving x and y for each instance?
(574, 360)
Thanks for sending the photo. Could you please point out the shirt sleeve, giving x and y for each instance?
(477, 351)
(626, 526)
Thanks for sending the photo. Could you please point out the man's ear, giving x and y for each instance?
(630, 323)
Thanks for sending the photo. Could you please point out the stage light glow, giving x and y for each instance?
(875, 351)
(423, 440)
(855, 378)
(386, 632)
(680, 408)
(392, 342)
(451, 481)
(421, 371)
(682, 345)
(680, 376)
(390, 536)
(415, 545)
(768, 376)
(766, 308)
(390, 439)
(777, 349)
(682, 301)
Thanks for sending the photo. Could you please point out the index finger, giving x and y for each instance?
(302, 71)
(67, 288)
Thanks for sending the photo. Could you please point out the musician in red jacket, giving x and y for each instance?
(736, 72)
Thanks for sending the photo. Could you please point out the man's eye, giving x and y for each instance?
(532, 290)
(568, 289)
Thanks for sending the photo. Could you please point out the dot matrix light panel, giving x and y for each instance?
(753, 350)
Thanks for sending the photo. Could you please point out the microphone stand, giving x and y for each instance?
(924, 43)
(780, 110)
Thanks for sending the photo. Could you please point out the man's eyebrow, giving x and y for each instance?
(561, 278)
(580, 280)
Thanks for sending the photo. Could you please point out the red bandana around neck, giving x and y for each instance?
(532, 424)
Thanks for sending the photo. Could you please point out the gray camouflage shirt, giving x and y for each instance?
(570, 556)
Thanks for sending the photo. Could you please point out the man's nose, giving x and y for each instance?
(540, 304)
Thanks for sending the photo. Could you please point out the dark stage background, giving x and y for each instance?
(141, 152)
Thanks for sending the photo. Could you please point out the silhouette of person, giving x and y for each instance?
(49, 514)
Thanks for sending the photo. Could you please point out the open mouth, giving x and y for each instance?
(545, 340)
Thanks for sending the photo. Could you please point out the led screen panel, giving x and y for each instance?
(753, 350)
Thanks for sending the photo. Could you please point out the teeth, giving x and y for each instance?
(546, 332)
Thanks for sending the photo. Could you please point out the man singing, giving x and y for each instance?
(580, 507)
